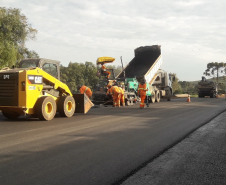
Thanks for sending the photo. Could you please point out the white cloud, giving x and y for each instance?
(191, 32)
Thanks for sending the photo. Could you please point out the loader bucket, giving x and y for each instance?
(83, 103)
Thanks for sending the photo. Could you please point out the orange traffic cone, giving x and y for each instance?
(188, 99)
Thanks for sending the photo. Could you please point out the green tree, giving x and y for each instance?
(25, 53)
(14, 31)
(215, 70)
(188, 87)
(8, 54)
(79, 74)
(176, 85)
(117, 69)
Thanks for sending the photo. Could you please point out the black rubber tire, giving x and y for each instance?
(153, 98)
(148, 101)
(211, 95)
(11, 115)
(201, 96)
(169, 95)
(45, 108)
(157, 96)
(66, 106)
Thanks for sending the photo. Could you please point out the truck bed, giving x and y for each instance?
(144, 59)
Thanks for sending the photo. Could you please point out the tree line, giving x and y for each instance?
(77, 74)
(215, 71)
(15, 30)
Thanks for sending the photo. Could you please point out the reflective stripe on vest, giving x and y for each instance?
(142, 89)
(86, 89)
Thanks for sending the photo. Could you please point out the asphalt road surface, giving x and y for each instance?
(105, 146)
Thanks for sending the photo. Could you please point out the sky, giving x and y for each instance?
(191, 32)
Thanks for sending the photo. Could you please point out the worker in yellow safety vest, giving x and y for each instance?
(116, 94)
(122, 98)
(142, 89)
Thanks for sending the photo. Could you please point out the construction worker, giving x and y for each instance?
(83, 89)
(104, 70)
(116, 94)
(142, 92)
(122, 99)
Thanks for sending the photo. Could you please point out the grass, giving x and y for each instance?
(194, 95)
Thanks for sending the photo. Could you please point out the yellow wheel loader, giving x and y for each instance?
(35, 89)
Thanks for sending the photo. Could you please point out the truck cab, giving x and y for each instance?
(52, 67)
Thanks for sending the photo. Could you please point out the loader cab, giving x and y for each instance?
(52, 67)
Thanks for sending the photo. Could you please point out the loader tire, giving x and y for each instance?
(153, 98)
(10, 115)
(45, 108)
(157, 96)
(66, 106)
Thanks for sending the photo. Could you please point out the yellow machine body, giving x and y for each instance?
(103, 60)
(30, 88)
(37, 90)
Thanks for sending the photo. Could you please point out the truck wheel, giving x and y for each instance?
(45, 108)
(169, 95)
(66, 106)
(157, 96)
(153, 98)
(11, 115)
(201, 96)
(211, 95)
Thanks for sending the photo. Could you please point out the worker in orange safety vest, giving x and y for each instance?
(86, 90)
(104, 70)
(116, 94)
(142, 89)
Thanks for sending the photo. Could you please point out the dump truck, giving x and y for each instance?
(207, 88)
(146, 64)
(162, 81)
(34, 88)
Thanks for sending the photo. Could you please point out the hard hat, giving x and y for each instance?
(143, 81)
